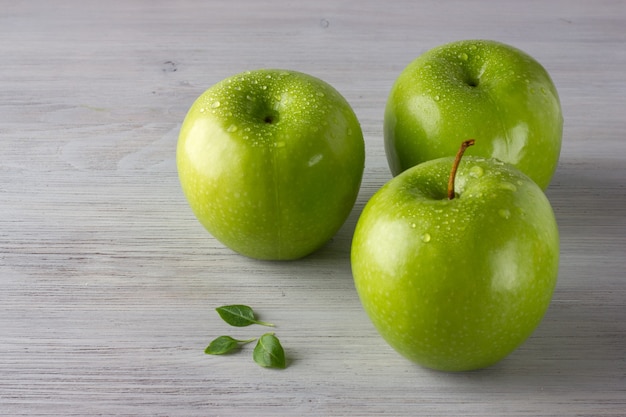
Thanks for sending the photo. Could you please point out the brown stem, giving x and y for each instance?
(455, 166)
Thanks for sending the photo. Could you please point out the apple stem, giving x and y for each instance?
(455, 166)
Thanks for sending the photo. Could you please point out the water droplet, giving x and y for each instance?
(508, 186)
(202, 110)
(231, 129)
(413, 225)
(280, 144)
(315, 159)
(324, 23)
(320, 94)
(249, 97)
(426, 237)
(476, 171)
(437, 98)
(215, 104)
(263, 87)
(504, 213)
(463, 56)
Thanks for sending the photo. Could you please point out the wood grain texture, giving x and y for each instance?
(108, 284)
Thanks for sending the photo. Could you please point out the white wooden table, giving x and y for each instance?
(108, 283)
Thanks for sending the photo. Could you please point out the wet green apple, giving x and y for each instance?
(456, 284)
(475, 88)
(271, 162)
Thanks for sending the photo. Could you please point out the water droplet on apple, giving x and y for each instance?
(202, 110)
(426, 237)
(231, 128)
(315, 159)
(504, 213)
(463, 56)
(280, 144)
(249, 97)
(413, 225)
(476, 171)
(508, 186)
(437, 98)
(215, 104)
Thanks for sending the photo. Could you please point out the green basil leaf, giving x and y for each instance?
(269, 353)
(239, 315)
(224, 344)
(221, 345)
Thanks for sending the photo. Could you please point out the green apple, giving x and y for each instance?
(475, 88)
(271, 162)
(456, 284)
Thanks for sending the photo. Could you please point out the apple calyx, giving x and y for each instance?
(455, 166)
(270, 118)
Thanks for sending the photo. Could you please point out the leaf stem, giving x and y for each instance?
(455, 166)
(246, 340)
(264, 323)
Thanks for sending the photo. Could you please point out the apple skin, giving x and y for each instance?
(456, 285)
(271, 162)
(475, 89)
